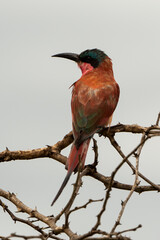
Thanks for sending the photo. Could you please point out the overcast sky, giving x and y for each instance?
(35, 101)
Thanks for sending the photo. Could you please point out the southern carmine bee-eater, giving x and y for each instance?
(94, 98)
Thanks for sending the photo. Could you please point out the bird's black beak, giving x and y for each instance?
(71, 56)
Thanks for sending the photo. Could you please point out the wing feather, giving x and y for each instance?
(92, 106)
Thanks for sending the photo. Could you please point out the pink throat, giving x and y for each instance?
(85, 67)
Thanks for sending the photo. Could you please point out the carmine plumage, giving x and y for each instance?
(94, 98)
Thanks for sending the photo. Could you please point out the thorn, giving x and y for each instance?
(135, 154)
(51, 216)
(118, 223)
(49, 146)
(122, 202)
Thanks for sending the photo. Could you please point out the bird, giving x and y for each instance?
(94, 98)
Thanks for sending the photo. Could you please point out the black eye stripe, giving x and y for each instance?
(94, 62)
(92, 56)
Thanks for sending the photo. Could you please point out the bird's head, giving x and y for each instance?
(87, 60)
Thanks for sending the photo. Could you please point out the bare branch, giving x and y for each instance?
(17, 219)
(49, 151)
(136, 183)
(14, 235)
(51, 229)
(85, 205)
(50, 221)
(54, 151)
(95, 149)
(129, 230)
(76, 188)
(118, 148)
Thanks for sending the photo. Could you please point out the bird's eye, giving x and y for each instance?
(88, 58)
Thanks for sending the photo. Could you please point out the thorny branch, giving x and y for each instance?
(54, 151)
(50, 229)
(136, 183)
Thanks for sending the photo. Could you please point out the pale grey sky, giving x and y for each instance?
(35, 100)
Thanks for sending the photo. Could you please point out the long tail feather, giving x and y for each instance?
(73, 160)
(62, 187)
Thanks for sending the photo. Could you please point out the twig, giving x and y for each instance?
(76, 187)
(95, 149)
(85, 205)
(111, 181)
(17, 219)
(158, 119)
(136, 183)
(27, 222)
(129, 230)
(117, 147)
(104, 236)
(14, 235)
(105, 180)
(50, 221)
